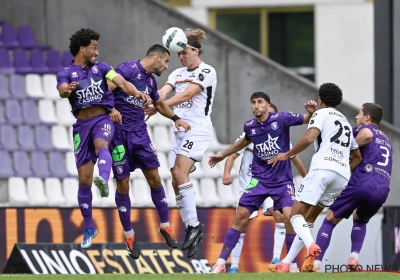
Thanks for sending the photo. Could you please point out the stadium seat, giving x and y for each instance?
(110, 200)
(60, 139)
(9, 37)
(162, 140)
(8, 138)
(199, 197)
(57, 165)
(53, 191)
(13, 112)
(6, 170)
(34, 88)
(43, 138)
(226, 194)
(47, 113)
(215, 144)
(2, 117)
(164, 166)
(21, 164)
(63, 112)
(26, 38)
(169, 191)
(17, 194)
(208, 187)
(211, 172)
(39, 165)
(150, 132)
(49, 82)
(198, 172)
(70, 190)
(26, 139)
(236, 188)
(38, 63)
(141, 193)
(54, 61)
(71, 165)
(97, 200)
(30, 113)
(4, 91)
(6, 67)
(35, 189)
(67, 58)
(17, 87)
(21, 62)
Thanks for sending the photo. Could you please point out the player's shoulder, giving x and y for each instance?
(206, 68)
(64, 71)
(250, 123)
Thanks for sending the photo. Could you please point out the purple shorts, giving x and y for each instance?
(131, 150)
(256, 192)
(367, 201)
(85, 132)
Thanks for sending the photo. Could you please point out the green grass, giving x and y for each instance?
(239, 276)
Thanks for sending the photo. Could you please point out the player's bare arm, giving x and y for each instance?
(65, 89)
(311, 107)
(128, 87)
(240, 144)
(355, 159)
(364, 136)
(166, 90)
(299, 166)
(186, 95)
(226, 178)
(115, 116)
(166, 111)
(308, 138)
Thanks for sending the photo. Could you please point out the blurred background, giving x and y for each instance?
(286, 48)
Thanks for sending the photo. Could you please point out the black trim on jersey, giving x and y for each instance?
(209, 95)
(319, 141)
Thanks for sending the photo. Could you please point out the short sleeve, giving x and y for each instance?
(104, 67)
(292, 119)
(125, 71)
(316, 121)
(240, 137)
(205, 78)
(63, 77)
(353, 143)
(172, 79)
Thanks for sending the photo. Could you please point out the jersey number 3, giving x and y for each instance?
(347, 133)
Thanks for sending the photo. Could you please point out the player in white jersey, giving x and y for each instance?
(329, 171)
(194, 86)
(245, 175)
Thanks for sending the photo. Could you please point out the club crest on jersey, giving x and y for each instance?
(120, 169)
(95, 70)
(274, 125)
(368, 168)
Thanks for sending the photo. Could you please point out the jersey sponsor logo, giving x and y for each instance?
(336, 156)
(134, 101)
(268, 149)
(185, 105)
(205, 70)
(92, 93)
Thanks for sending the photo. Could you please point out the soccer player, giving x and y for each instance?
(269, 133)
(368, 187)
(131, 145)
(194, 86)
(244, 180)
(329, 171)
(84, 83)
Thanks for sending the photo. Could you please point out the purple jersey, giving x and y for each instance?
(130, 107)
(92, 90)
(375, 169)
(271, 138)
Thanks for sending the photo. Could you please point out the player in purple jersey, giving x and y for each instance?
(131, 146)
(368, 187)
(84, 83)
(269, 132)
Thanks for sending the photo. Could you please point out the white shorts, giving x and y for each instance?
(191, 144)
(321, 186)
(268, 203)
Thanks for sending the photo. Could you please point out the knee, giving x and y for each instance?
(154, 181)
(123, 186)
(85, 179)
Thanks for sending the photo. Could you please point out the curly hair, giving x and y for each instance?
(330, 94)
(196, 37)
(374, 111)
(82, 38)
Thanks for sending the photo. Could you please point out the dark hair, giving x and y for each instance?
(82, 38)
(274, 107)
(157, 49)
(330, 94)
(260, 94)
(374, 111)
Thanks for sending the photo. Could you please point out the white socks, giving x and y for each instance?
(189, 203)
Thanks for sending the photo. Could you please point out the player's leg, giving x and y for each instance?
(280, 230)
(249, 202)
(102, 134)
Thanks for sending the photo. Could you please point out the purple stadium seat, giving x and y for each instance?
(5, 165)
(25, 138)
(21, 62)
(6, 66)
(27, 40)
(17, 86)
(39, 165)
(21, 164)
(13, 112)
(9, 37)
(7, 138)
(38, 62)
(30, 114)
(43, 138)
(4, 92)
(2, 118)
(54, 61)
(67, 58)
(57, 165)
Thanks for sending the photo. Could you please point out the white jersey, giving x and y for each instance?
(197, 110)
(333, 145)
